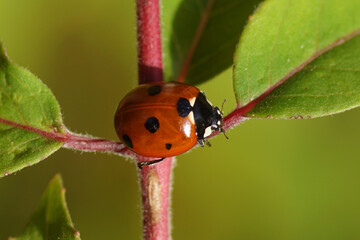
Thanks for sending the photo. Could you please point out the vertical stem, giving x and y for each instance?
(155, 183)
(155, 179)
(149, 41)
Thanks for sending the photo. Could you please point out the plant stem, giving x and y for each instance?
(149, 41)
(154, 179)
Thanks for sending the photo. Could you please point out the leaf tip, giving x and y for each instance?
(56, 183)
(77, 234)
(57, 179)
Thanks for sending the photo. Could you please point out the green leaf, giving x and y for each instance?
(299, 59)
(199, 37)
(52, 219)
(30, 118)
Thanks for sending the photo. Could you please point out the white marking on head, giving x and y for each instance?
(218, 123)
(191, 117)
(218, 111)
(192, 101)
(208, 132)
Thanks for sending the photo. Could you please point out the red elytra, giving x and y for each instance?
(165, 119)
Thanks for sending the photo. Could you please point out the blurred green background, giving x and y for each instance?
(271, 180)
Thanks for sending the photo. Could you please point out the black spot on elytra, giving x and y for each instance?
(183, 107)
(154, 90)
(127, 141)
(168, 146)
(152, 124)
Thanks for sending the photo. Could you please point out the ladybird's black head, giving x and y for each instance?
(217, 119)
(207, 118)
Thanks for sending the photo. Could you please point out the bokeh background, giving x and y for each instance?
(273, 179)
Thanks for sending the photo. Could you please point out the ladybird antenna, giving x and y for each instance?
(222, 105)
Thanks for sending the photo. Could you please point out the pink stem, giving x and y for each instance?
(155, 183)
(154, 179)
(149, 41)
(74, 141)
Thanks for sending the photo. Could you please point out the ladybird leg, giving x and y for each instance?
(207, 142)
(223, 131)
(147, 163)
(201, 142)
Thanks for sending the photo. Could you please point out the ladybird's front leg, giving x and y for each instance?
(201, 142)
(207, 142)
(147, 163)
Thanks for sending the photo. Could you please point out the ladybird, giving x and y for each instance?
(165, 119)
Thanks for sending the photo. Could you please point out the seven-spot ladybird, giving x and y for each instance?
(165, 119)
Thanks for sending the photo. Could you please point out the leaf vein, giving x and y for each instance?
(197, 36)
(332, 68)
(316, 95)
